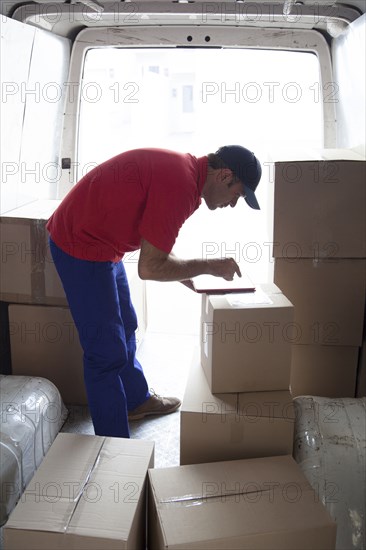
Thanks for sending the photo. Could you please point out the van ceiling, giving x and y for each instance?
(7, 7)
(68, 17)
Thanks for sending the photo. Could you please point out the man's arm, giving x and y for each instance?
(186, 282)
(156, 265)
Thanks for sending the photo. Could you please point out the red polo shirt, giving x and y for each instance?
(143, 193)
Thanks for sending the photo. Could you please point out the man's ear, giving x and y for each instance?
(225, 176)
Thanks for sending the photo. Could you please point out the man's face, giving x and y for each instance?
(223, 193)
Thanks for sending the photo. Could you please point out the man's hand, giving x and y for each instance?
(224, 267)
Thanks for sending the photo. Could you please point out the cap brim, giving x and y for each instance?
(251, 199)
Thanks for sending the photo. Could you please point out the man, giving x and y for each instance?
(136, 200)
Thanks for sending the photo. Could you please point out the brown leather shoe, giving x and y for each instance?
(155, 405)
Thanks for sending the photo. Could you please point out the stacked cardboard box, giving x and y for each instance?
(43, 338)
(237, 402)
(89, 492)
(237, 406)
(229, 426)
(320, 251)
(262, 503)
(246, 340)
(28, 275)
(44, 342)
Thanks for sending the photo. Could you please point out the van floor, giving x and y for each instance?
(166, 359)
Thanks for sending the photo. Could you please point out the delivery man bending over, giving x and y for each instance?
(136, 200)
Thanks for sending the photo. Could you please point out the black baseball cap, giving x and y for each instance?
(245, 166)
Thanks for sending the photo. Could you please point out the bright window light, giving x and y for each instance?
(195, 100)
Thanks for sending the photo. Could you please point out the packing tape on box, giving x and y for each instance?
(76, 500)
(185, 500)
(222, 492)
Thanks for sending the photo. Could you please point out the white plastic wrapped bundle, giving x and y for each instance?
(32, 413)
(330, 448)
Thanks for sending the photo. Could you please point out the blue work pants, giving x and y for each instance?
(99, 299)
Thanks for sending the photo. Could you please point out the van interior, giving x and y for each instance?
(85, 80)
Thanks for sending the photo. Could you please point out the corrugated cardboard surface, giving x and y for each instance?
(328, 371)
(319, 209)
(328, 297)
(44, 342)
(247, 347)
(232, 426)
(264, 503)
(88, 493)
(28, 274)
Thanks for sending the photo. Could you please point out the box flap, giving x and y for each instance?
(215, 479)
(99, 512)
(37, 513)
(119, 478)
(266, 521)
(66, 467)
(52, 495)
(229, 500)
(80, 478)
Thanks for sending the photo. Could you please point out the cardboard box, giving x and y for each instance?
(88, 493)
(264, 503)
(232, 426)
(246, 340)
(44, 342)
(328, 371)
(319, 207)
(328, 297)
(28, 274)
